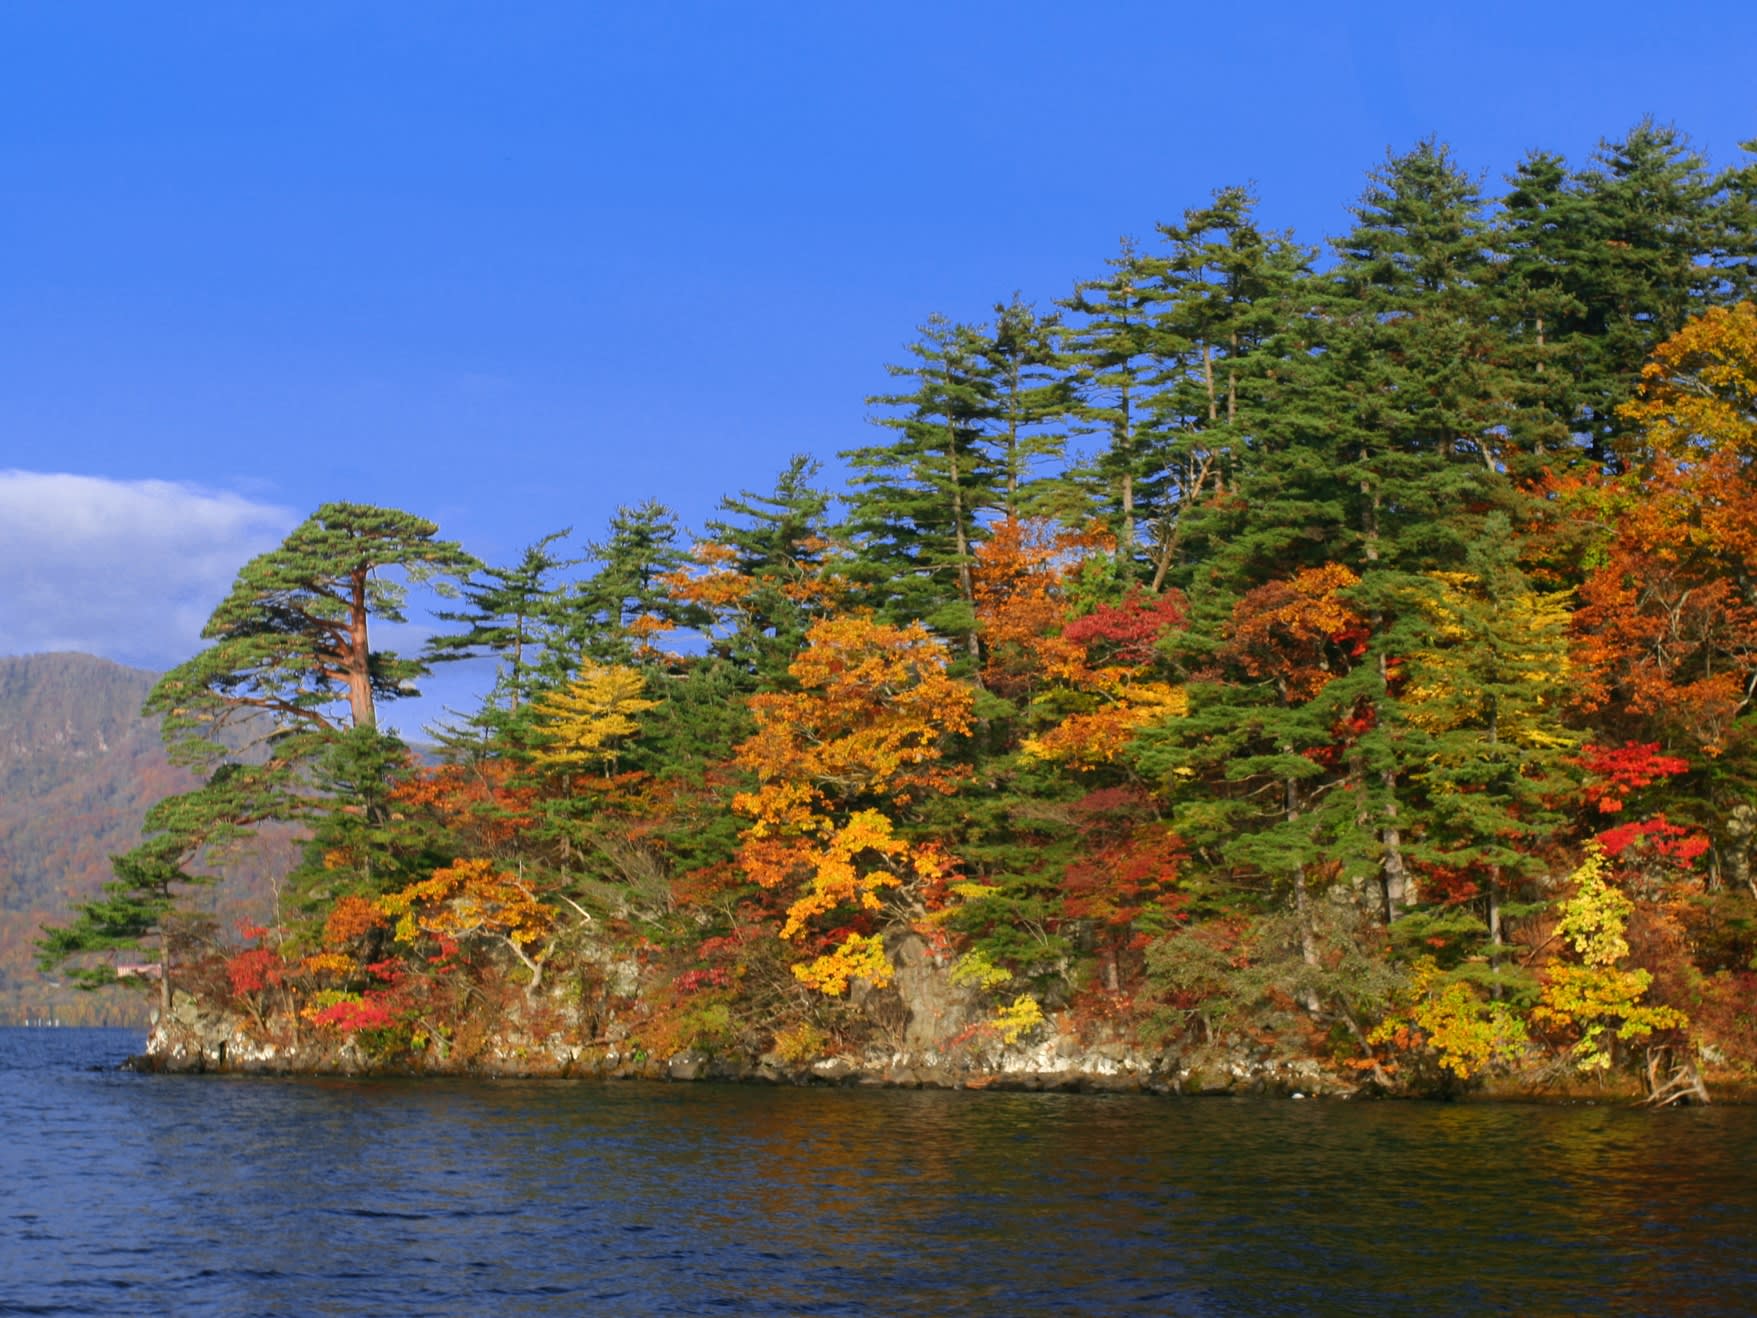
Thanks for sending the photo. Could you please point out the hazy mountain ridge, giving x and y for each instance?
(79, 766)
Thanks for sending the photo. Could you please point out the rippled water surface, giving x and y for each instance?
(122, 1193)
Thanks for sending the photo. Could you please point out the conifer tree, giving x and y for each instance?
(1538, 306)
(914, 508)
(613, 615)
(1031, 395)
(145, 910)
(1735, 256)
(1486, 695)
(360, 844)
(1410, 344)
(1116, 350)
(772, 550)
(506, 610)
(1638, 265)
(291, 641)
(1227, 292)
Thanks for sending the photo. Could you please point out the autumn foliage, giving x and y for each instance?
(1351, 699)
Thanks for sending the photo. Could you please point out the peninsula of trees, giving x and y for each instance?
(1350, 653)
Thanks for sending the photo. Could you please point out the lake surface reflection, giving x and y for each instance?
(125, 1193)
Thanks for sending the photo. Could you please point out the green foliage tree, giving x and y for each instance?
(504, 618)
(613, 615)
(915, 505)
(145, 911)
(1228, 290)
(768, 556)
(1115, 348)
(291, 639)
(1031, 396)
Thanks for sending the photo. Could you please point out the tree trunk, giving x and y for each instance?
(358, 663)
(1168, 546)
(1126, 447)
(1308, 938)
(1013, 441)
(1393, 875)
(1208, 381)
(1302, 911)
(966, 583)
(164, 975)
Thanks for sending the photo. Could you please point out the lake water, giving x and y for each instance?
(123, 1193)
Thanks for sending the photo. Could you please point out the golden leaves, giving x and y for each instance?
(581, 725)
(1098, 736)
(1596, 996)
(863, 730)
(1699, 391)
(859, 956)
(466, 898)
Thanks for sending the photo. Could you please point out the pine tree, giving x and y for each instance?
(1735, 255)
(1487, 694)
(1031, 395)
(1638, 266)
(613, 615)
(145, 910)
(1227, 287)
(1416, 374)
(503, 620)
(1372, 462)
(1117, 350)
(915, 505)
(360, 843)
(291, 641)
(771, 552)
(1536, 237)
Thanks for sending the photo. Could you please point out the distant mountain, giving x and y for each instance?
(79, 766)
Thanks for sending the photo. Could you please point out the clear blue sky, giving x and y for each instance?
(508, 266)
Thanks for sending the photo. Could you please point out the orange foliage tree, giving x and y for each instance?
(472, 901)
(836, 760)
(1667, 632)
(1088, 678)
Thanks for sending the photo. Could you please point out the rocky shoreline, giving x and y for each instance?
(198, 1040)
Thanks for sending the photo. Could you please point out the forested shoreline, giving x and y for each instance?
(1347, 657)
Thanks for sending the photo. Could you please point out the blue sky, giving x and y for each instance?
(509, 266)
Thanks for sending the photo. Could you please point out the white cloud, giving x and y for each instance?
(125, 569)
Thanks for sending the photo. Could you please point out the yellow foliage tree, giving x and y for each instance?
(471, 900)
(1594, 994)
(1496, 663)
(1699, 392)
(581, 725)
(1447, 1015)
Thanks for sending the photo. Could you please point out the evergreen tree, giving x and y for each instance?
(290, 641)
(1116, 350)
(1227, 291)
(1486, 695)
(360, 844)
(1538, 308)
(1372, 463)
(1735, 255)
(1639, 266)
(1412, 347)
(612, 616)
(915, 504)
(775, 548)
(504, 617)
(1030, 396)
(145, 911)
